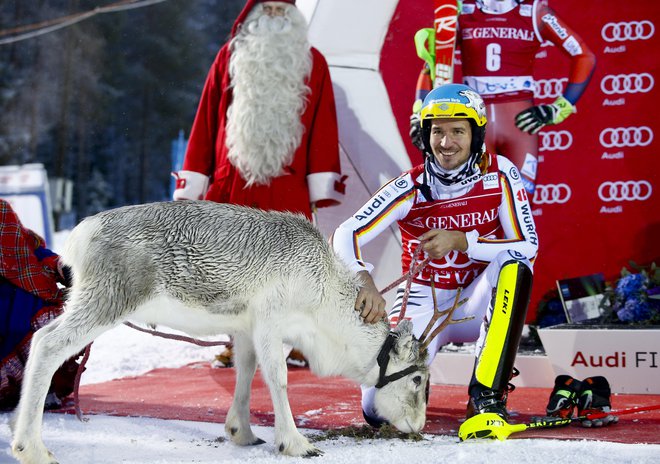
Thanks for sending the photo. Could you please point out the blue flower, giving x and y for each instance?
(634, 310)
(630, 286)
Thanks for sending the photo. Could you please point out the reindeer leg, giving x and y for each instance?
(237, 425)
(288, 439)
(50, 347)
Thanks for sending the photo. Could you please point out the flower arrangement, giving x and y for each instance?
(631, 299)
(634, 298)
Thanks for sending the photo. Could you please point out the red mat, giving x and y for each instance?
(200, 393)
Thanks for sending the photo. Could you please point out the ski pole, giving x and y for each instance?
(618, 412)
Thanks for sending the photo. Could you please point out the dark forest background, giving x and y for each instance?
(99, 102)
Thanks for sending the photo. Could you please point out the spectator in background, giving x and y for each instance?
(29, 299)
(498, 40)
(265, 134)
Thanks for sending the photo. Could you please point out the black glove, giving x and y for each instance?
(594, 398)
(563, 398)
(416, 131)
(535, 118)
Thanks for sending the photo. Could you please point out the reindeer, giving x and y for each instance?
(204, 268)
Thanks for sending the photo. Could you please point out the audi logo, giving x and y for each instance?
(555, 140)
(631, 30)
(549, 88)
(452, 259)
(626, 137)
(549, 194)
(626, 83)
(631, 190)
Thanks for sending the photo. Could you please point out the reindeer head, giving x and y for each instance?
(400, 396)
(401, 392)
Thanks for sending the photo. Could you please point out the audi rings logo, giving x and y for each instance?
(555, 140)
(631, 190)
(549, 194)
(626, 137)
(630, 30)
(453, 259)
(549, 88)
(626, 83)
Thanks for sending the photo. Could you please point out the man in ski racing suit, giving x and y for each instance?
(468, 210)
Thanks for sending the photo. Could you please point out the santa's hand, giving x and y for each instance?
(535, 118)
(190, 185)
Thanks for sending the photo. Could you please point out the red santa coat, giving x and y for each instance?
(314, 175)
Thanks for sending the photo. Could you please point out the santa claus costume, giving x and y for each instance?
(265, 133)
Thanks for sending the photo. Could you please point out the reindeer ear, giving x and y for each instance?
(406, 346)
(404, 327)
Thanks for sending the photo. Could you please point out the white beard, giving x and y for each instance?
(269, 65)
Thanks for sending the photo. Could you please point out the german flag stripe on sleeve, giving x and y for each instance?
(395, 203)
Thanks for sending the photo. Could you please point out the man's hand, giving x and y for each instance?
(369, 301)
(438, 242)
(535, 118)
(416, 131)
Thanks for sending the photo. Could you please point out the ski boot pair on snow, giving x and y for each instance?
(590, 396)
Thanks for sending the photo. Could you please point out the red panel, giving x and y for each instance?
(400, 65)
(585, 234)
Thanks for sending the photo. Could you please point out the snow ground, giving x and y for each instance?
(110, 440)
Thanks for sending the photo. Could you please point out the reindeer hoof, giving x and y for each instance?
(313, 453)
(258, 441)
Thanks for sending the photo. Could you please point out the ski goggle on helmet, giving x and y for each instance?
(454, 101)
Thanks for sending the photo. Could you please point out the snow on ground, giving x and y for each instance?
(111, 440)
